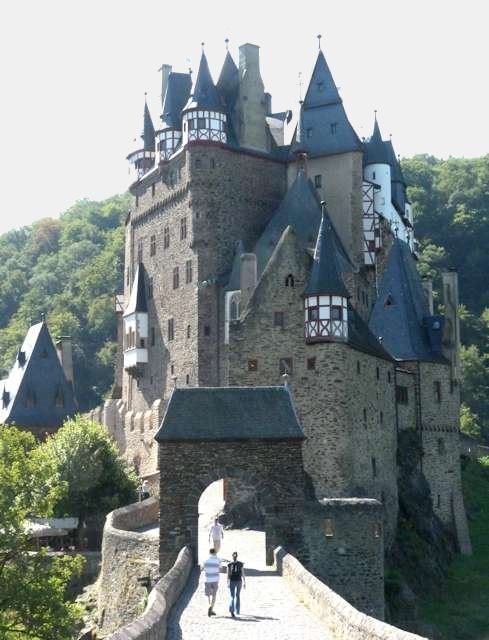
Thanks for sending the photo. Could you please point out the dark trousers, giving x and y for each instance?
(235, 589)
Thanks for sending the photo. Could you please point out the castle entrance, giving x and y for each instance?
(249, 436)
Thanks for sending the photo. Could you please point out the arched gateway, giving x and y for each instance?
(246, 433)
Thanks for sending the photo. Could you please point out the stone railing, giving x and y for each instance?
(129, 563)
(152, 624)
(342, 621)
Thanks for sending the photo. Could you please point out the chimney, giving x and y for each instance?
(165, 72)
(268, 103)
(451, 339)
(428, 290)
(252, 103)
(65, 355)
(247, 277)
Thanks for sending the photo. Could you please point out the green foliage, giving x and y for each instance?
(461, 609)
(82, 457)
(32, 593)
(69, 269)
(469, 422)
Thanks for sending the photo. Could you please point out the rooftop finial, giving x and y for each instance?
(323, 206)
(145, 97)
(390, 136)
(202, 44)
(319, 41)
(300, 86)
(375, 114)
(227, 44)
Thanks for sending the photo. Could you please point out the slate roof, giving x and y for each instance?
(397, 179)
(361, 337)
(229, 413)
(228, 83)
(36, 379)
(325, 277)
(300, 209)
(137, 301)
(401, 307)
(204, 93)
(322, 113)
(176, 96)
(375, 149)
(148, 130)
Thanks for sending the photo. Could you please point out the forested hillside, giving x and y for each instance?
(70, 269)
(451, 203)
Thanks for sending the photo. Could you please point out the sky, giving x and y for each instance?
(73, 75)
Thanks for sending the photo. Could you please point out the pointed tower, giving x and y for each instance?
(204, 117)
(325, 297)
(143, 159)
(377, 169)
(176, 94)
(136, 325)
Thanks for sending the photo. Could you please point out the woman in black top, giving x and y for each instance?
(236, 579)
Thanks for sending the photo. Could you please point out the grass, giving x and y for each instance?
(461, 610)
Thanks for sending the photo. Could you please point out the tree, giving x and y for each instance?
(32, 593)
(469, 422)
(81, 456)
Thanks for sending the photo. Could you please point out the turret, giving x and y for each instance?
(176, 88)
(136, 325)
(325, 297)
(204, 117)
(143, 158)
(378, 170)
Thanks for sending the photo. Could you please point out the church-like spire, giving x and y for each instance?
(325, 275)
(375, 150)
(322, 89)
(204, 93)
(148, 135)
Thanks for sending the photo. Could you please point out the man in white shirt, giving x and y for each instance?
(212, 567)
(216, 534)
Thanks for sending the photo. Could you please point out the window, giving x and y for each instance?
(140, 251)
(188, 331)
(358, 366)
(252, 365)
(374, 467)
(183, 228)
(389, 377)
(309, 132)
(188, 271)
(176, 278)
(207, 330)
(402, 395)
(153, 190)
(381, 418)
(438, 501)
(187, 379)
(377, 371)
(150, 289)
(318, 181)
(201, 124)
(388, 301)
(365, 418)
(153, 336)
(289, 280)
(166, 237)
(278, 319)
(171, 328)
(172, 369)
(152, 246)
(333, 127)
(328, 528)
(371, 245)
(212, 163)
(191, 124)
(311, 364)
(336, 313)
(285, 366)
(377, 530)
(437, 387)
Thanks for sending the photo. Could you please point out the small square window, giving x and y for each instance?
(311, 364)
(278, 319)
(252, 365)
(318, 181)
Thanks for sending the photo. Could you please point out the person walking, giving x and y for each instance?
(211, 569)
(236, 580)
(216, 534)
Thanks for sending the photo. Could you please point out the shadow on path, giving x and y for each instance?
(174, 630)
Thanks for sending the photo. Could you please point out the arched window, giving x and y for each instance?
(234, 307)
(289, 280)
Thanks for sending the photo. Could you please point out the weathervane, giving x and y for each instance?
(319, 41)
(227, 44)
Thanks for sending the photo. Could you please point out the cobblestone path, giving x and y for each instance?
(269, 610)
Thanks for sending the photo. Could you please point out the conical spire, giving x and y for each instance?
(176, 96)
(148, 135)
(228, 83)
(325, 278)
(204, 93)
(375, 151)
(322, 89)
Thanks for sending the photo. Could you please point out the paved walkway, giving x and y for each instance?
(269, 610)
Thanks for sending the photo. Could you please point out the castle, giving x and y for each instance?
(261, 246)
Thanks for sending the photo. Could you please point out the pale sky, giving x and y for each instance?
(74, 73)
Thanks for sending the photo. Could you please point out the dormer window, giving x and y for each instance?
(318, 181)
(333, 127)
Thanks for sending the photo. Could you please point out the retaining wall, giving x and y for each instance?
(342, 621)
(152, 624)
(129, 557)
